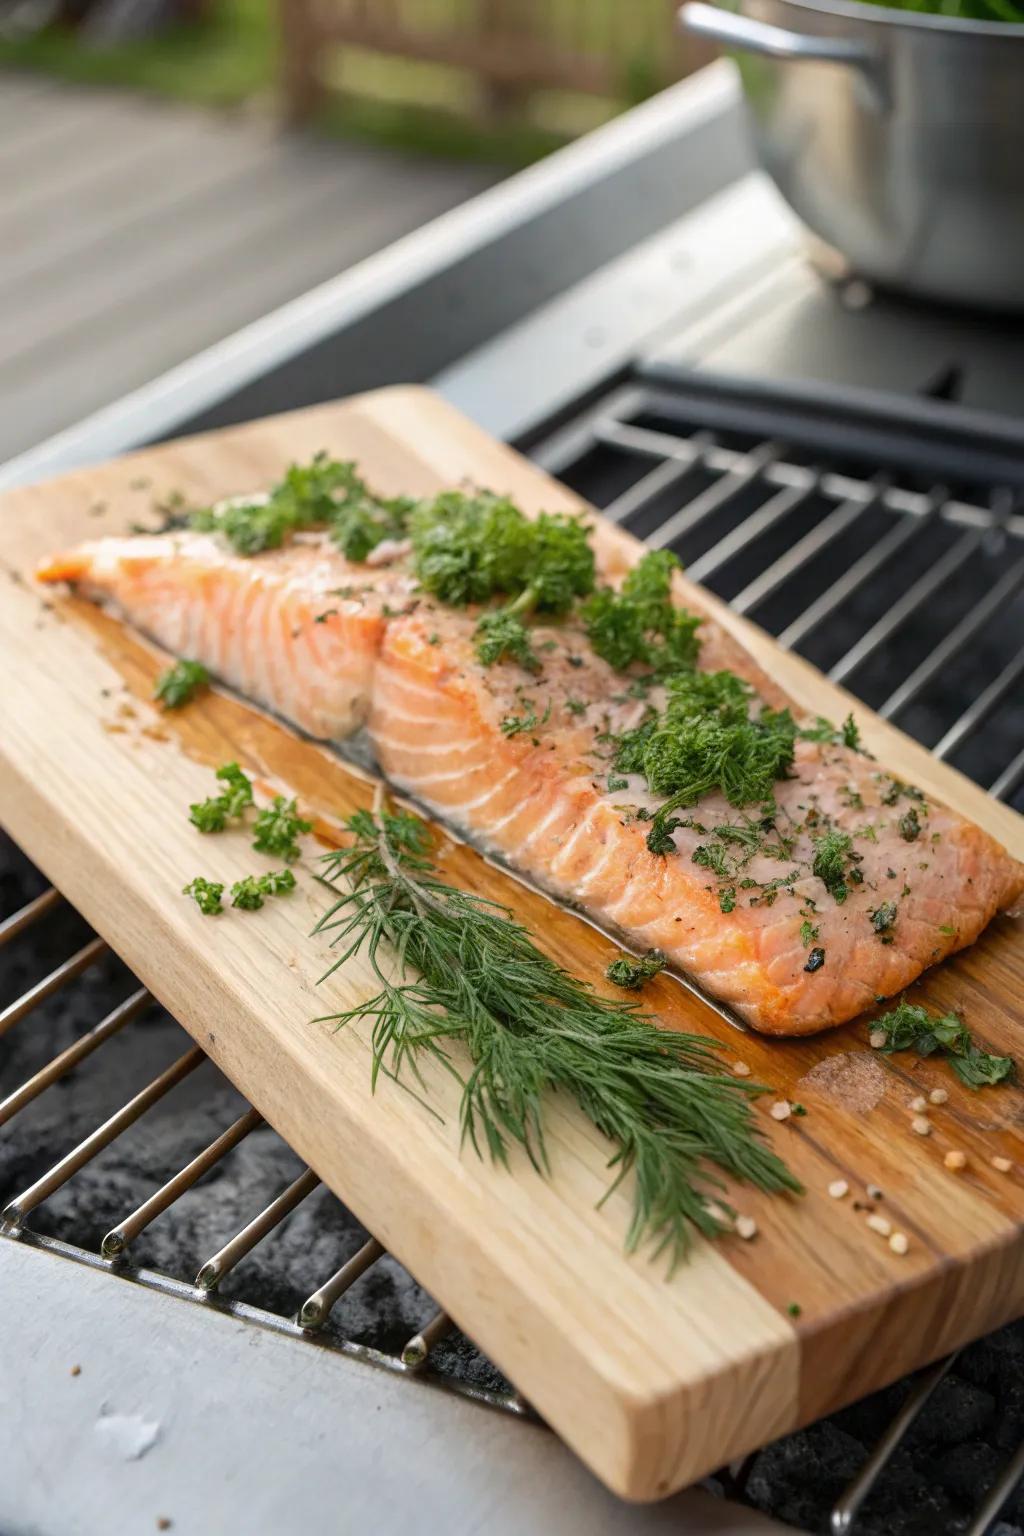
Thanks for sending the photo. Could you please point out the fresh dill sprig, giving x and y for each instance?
(180, 683)
(469, 972)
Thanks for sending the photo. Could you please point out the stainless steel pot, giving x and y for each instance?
(897, 136)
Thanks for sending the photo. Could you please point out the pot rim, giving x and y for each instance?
(924, 21)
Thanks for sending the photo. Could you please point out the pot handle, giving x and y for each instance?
(737, 31)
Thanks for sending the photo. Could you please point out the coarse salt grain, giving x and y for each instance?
(880, 1225)
(921, 1125)
(938, 1095)
(877, 1039)
(746, 1227)
(780, 1110)
(898, 1242)
(740, 1069)
(955, 1161)
(1002, 1164)
(919, 1105)
(839, 1189)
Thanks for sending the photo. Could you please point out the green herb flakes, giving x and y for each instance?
(206, 894)
(631, 974)
(180, 683)
(277, 829)
(248, 894)
(639, 623)
(909, 1027)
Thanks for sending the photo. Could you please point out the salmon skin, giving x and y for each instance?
(519, 762)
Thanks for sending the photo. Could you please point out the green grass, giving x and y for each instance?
(230, 60)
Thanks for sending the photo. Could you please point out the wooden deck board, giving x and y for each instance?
(135, 233)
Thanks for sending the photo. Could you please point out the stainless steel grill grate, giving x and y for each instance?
(903, 579)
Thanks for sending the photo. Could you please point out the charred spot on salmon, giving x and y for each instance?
(468, 971)
(180, 683)
(909, 1027)
(883, 920)
(909, 826)
(630, 973)
(815, 960)
(639, 624)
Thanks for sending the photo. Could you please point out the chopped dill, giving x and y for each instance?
(833, 853)
(515, 725)
(909, 826)
(468, 973)
(848, 734)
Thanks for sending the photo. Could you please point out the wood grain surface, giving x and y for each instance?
(653, 1381)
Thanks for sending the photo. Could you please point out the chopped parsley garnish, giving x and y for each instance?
(616, 783)
(179, 683)
(909, 1027)
(815, 960)
(640, 624)
(897, 788)
(248, 894)
(909, 826)
(630, 973)
(808, 934)
(575, 706)
(206, 894)
(727, 898)
(833, 853)
(277, 828)
(213, 814)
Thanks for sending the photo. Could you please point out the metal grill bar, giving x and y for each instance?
(16, 1011)
(29, 914)
(116, 1241)
(774, 510)
(417, 1350)
(925, 587)
(1010, 779)
(745, 472)
(657, 482)
(224, 1261)
(15, 1212)
(861, 572)
(970, 625)
(83, 1047)
(978, 712)
(846, 1510)
(996, 1497)
(316, 1309)
(802, 552)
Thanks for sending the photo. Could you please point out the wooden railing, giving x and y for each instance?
(619, 49)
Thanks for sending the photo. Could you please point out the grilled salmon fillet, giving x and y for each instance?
(519, 762)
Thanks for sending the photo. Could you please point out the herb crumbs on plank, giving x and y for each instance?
(908, 1027)
(214, 813)
(531, 1029)
(206, 894)
(277, 829)
(631, 973)
(180, 683)
(249, 893)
